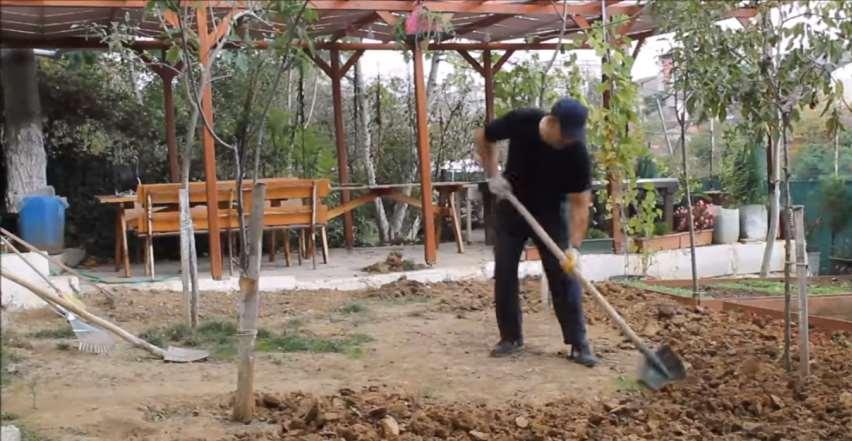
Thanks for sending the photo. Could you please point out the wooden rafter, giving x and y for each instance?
(355, 25)
(628, 25)
(533, 7)
(581, 21)
(388, 18)
(481, 23)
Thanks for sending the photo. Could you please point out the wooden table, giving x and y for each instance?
(446, 207)
(122, 204)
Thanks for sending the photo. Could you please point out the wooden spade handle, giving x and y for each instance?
(86, 316)
(560, 254)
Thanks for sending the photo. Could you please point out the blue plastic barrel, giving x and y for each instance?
(41, 222)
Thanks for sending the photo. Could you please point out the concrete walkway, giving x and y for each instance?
(345, 269)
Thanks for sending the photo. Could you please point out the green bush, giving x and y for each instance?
(744, 167)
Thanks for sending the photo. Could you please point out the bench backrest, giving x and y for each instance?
(160, 204)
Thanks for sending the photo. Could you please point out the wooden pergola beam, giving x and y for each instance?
(82, 43)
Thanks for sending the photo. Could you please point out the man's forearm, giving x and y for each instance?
(487, 152)
(579, 217)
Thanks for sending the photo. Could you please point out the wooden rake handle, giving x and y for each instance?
(86, 316)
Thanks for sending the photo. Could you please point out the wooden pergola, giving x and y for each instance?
(496, 28)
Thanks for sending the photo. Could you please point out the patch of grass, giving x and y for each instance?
(300, 342)
(56, 333)
(294, 323)
(63, 346)
(29, 435)
(680, 292)
(626, 384)
(7, 416)
(220, 338)
(353, 308)
(773, 287)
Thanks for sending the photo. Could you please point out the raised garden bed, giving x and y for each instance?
(673, 241)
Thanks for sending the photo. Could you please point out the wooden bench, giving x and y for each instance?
(285, 209)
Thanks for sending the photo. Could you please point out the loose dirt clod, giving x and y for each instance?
(390, 428)
(742, 397)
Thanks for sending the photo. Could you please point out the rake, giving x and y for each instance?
(90, 338)
(177, 355)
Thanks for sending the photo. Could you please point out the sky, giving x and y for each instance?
(392, 63)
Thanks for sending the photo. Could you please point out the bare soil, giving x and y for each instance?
(426, 371)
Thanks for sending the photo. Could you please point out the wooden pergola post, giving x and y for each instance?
(488, 75)
(340, 140)
(205, 41)
(167, 73)
(336, 72)
(487, 69)
(429, 237)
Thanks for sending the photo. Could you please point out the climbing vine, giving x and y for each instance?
(614, 132)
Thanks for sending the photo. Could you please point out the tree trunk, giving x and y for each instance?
(400, 210)
(246, 335)
(364, 143)
(26, 160)
(189, 256)
(774, 202)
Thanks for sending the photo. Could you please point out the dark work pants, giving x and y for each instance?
(512, 234)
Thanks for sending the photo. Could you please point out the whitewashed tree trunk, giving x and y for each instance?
(365, 143)
(26, 160)
(774, 202)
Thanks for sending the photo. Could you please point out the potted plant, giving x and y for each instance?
(743, 177)
(659, 236)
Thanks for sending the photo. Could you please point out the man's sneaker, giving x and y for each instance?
(582, 354)
(507, 347)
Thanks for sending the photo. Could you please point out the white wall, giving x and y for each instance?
(14, 296)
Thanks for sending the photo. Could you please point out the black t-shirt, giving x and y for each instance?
(541, 176)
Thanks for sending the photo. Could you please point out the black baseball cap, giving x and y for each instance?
(572, 117)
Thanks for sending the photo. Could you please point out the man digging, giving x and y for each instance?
(547, 161)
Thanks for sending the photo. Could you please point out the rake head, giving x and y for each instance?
(92, 339)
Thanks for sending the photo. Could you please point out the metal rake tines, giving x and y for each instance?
(92, 339)
(94, 348)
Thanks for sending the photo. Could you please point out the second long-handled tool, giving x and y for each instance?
(658, 368)
(90, 338)
(179, 355)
